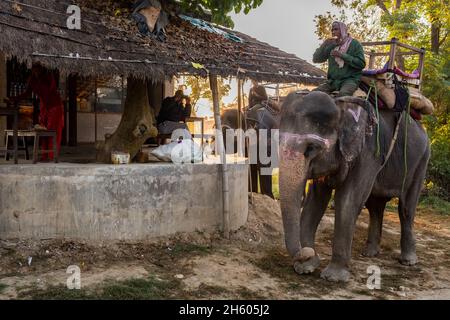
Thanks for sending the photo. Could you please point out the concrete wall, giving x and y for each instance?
(102, 202)
(3, 95)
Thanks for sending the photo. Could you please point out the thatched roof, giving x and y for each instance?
(36, 30)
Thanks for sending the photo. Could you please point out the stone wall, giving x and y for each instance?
(103, 202)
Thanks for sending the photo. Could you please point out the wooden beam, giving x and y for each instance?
(372, 55)
(72, 95)
(385, 54)
(375, 43)
(392, 53)
(239, 116)
(223, 159)
(407, 46)
(95, 111)
(421, 64)
(393, 41)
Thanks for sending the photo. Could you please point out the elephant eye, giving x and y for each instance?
(312, 148)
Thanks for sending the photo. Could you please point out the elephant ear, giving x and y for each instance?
(352, 129)
(289, 109)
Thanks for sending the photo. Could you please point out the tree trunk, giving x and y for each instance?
(136, 125)
(435, 37)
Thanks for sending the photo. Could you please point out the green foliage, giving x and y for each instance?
(439, 167)
(437, 203)
(221, 8)
(361, 19)
(132, 289)
(201, 89)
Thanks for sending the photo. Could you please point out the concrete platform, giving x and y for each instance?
(105, 202)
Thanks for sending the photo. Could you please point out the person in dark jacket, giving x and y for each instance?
(173, 113)
(257, 94)
(346, 61)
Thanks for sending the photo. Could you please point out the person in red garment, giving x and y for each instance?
(51, 115)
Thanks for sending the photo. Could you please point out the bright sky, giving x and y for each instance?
(286, 24)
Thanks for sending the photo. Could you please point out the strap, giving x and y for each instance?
(394, 139)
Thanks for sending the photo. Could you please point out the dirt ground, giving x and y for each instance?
(253, 264)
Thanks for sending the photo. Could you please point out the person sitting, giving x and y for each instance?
(346, 61)
(257, 94)
(173, 114)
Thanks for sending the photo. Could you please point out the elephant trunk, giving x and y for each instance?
(293, 177)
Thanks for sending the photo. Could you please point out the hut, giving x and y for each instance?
(136, 201)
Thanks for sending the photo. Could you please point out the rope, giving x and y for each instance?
(373, 85)
(394, 139)
(405, 148)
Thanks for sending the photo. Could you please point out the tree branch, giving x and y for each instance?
(381, 4)
(444, 38)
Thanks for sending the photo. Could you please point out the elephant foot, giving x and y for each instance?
(408, 259)
(308, 266)
(371, 251)
(335, 273)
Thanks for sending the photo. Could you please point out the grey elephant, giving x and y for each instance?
(337, 143)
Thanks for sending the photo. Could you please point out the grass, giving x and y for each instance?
(275, 185)
(182, 249)
(133, 289)
(278, 264)
(439, 205)
(2, 287)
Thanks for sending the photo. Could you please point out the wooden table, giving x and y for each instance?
(36, 134)
(14, 112)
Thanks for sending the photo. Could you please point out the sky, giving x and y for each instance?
(285, 24)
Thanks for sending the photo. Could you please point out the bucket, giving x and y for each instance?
(120, 157)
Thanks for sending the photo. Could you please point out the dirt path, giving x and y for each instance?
(253, 264)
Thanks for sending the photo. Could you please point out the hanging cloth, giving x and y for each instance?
(150, 19)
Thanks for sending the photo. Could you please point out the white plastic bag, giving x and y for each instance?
(185, 151)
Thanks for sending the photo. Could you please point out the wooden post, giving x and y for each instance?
(15, 129)
(72, 92)
(239, 116)
(220, 143)
(247, 147)
(421, 64)
(392, 53)
(371, 59)
(95, 110)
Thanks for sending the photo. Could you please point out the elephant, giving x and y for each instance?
(257, 117)
(340, 144)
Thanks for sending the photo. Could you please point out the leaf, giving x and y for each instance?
(198, 65)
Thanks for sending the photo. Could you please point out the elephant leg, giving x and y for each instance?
(316, 202)
(349, 199)
(376, 206)
(407, 210)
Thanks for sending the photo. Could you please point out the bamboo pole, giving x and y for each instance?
(95, 110)
(219, 136)
(247, 146)
(239, 117)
